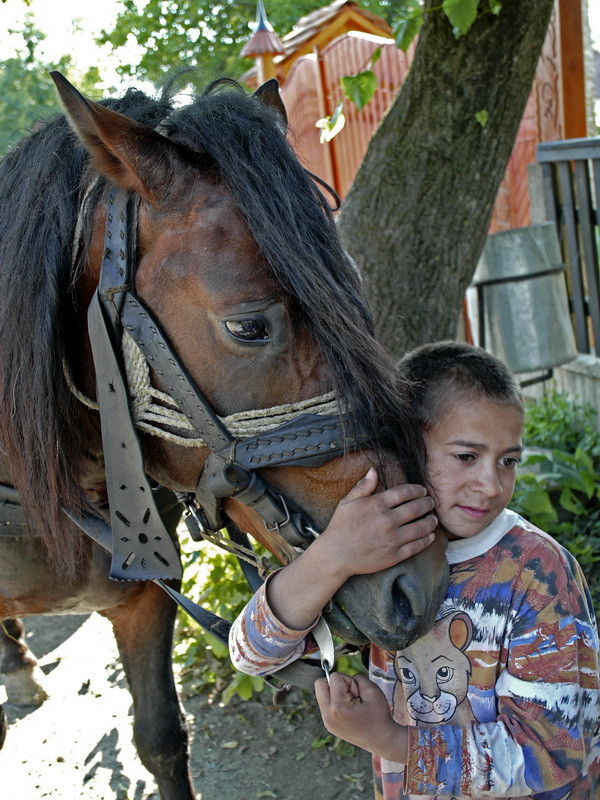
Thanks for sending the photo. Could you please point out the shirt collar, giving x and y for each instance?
(463, 549)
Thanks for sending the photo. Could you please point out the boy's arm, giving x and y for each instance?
(367, 533)
(259, 643)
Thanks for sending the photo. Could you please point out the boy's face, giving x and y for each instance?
(472, 453)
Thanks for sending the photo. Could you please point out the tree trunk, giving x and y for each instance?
(417, 215)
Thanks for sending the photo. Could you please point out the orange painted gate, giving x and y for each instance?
(312, 91)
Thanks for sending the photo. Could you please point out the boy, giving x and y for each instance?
(501, 698)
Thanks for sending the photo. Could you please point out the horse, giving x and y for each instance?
(224, 264)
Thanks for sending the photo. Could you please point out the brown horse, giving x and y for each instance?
(239, 269)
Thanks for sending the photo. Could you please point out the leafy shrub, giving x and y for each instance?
(213, 579)
(557, 423)
(559, 489)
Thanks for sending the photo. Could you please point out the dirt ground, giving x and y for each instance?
(78, 743)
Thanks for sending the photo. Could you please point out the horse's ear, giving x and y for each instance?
(268, 95)
(130, 154)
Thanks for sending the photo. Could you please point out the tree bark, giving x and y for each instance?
(417, 215)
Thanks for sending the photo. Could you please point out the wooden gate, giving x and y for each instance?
(312, 91)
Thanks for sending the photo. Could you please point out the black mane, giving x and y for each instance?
(41, 185)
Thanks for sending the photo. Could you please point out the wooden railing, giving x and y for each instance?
(571, 177)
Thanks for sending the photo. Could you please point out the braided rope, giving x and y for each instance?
(156, 412)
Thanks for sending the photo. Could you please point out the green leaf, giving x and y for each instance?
(461, 13)
(537, 501)
(570, 502)
(343, 748)
(321, 741)
(375, 57)
(359, 88)
(482, 117)
(495, 6)
(406, 30)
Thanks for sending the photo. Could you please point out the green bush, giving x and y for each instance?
(557, 423)
(559, 490)
(213, 578)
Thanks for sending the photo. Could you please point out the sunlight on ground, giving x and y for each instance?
(74, 745)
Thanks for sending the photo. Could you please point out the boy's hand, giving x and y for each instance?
(356, 710)
(370, 532)
(367, 533)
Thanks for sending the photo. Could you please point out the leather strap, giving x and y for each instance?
(302, 673)
(142, 548)
(145, 331)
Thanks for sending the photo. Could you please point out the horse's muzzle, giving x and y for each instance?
(395, 607)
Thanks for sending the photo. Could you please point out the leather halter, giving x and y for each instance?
(142, 549)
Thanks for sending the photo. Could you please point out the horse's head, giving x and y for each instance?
(239, 264)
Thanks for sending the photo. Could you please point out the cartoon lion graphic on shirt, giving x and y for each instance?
(433, 674)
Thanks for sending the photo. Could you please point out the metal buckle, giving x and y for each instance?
(276, 525)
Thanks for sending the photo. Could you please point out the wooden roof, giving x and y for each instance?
(315, 30)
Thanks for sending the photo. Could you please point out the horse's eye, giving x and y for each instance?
(248, 330)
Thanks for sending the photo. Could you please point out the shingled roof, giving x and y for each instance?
(307, 26)
(317, 29)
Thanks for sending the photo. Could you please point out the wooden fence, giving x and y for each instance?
(312, 91)
(571, 174)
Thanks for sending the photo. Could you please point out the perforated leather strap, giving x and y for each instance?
(301, 673)
(142, 548)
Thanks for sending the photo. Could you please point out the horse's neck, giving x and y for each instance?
(92, 474)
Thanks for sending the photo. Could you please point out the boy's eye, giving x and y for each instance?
(511, 462)
(465, 457)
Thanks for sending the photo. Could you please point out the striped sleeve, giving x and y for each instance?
(259, 644)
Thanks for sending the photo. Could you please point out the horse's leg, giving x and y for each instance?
(20, 673)
(143, 628)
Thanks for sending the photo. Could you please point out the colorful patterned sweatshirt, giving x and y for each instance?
(502, 697)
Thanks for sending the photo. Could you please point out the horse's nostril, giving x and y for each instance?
(401, 608)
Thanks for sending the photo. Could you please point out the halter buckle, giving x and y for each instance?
(276, 525)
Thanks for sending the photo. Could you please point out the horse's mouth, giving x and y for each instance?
(342, 626)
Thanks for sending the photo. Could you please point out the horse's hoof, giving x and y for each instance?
(24, 686)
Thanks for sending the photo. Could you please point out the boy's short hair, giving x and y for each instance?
(441, 373)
